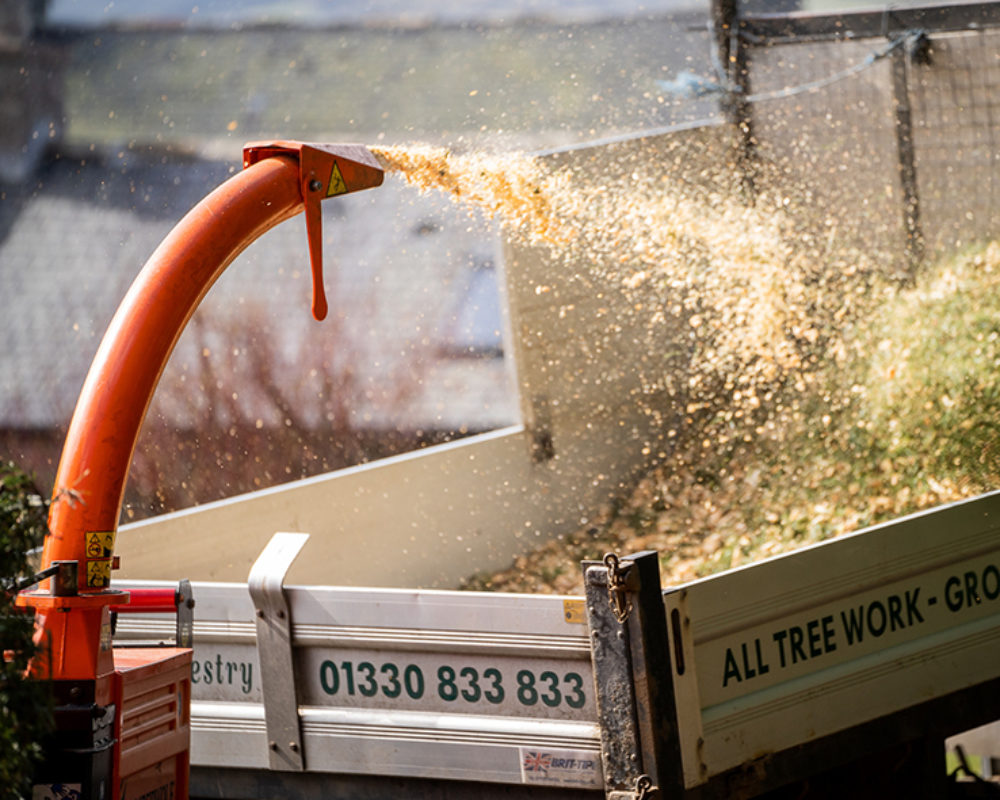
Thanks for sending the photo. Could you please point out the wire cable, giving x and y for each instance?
(688, 85)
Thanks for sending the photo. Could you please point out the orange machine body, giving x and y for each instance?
(72, 622)
(153, 722)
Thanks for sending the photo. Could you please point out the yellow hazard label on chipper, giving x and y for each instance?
(99, 574)
(100, 544)
(336, 185)
(99, 547)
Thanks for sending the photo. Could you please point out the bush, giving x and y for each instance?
(25, 706)
(934, 386)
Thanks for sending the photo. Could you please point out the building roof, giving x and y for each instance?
(413, 333)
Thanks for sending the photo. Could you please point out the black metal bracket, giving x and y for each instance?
(640, 746)
(64, 572)
(185, 614)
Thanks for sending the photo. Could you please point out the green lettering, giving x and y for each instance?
(731, 670)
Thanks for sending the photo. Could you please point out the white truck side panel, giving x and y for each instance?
(786, 651)
(397, 682)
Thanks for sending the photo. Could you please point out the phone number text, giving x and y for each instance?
(452, 684)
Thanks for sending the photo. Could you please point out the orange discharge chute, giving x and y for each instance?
(280, 179)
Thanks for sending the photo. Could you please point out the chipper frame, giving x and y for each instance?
(122, 717)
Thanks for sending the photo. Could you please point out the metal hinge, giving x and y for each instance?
(643, 790)
(618, 597)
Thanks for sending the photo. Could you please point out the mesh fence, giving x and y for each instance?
(839, 141)
(956, 103)
(826, 111)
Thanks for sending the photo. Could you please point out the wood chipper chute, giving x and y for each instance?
(100, 691)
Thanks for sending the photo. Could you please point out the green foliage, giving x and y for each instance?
(25, 713)
(902, 418)
(905, 422)
(934, 390)
(424, 82)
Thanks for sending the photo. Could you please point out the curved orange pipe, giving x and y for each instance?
(90, 482)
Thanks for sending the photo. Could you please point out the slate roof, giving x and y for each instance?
(411, 284)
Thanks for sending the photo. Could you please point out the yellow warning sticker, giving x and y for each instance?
(573, 612)
(98, 574)
(336, 185)
(100, 544)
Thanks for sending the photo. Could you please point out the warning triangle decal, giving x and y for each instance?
(337, 185)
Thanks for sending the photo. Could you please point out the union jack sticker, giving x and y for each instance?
(576, 768)
(537, 762)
